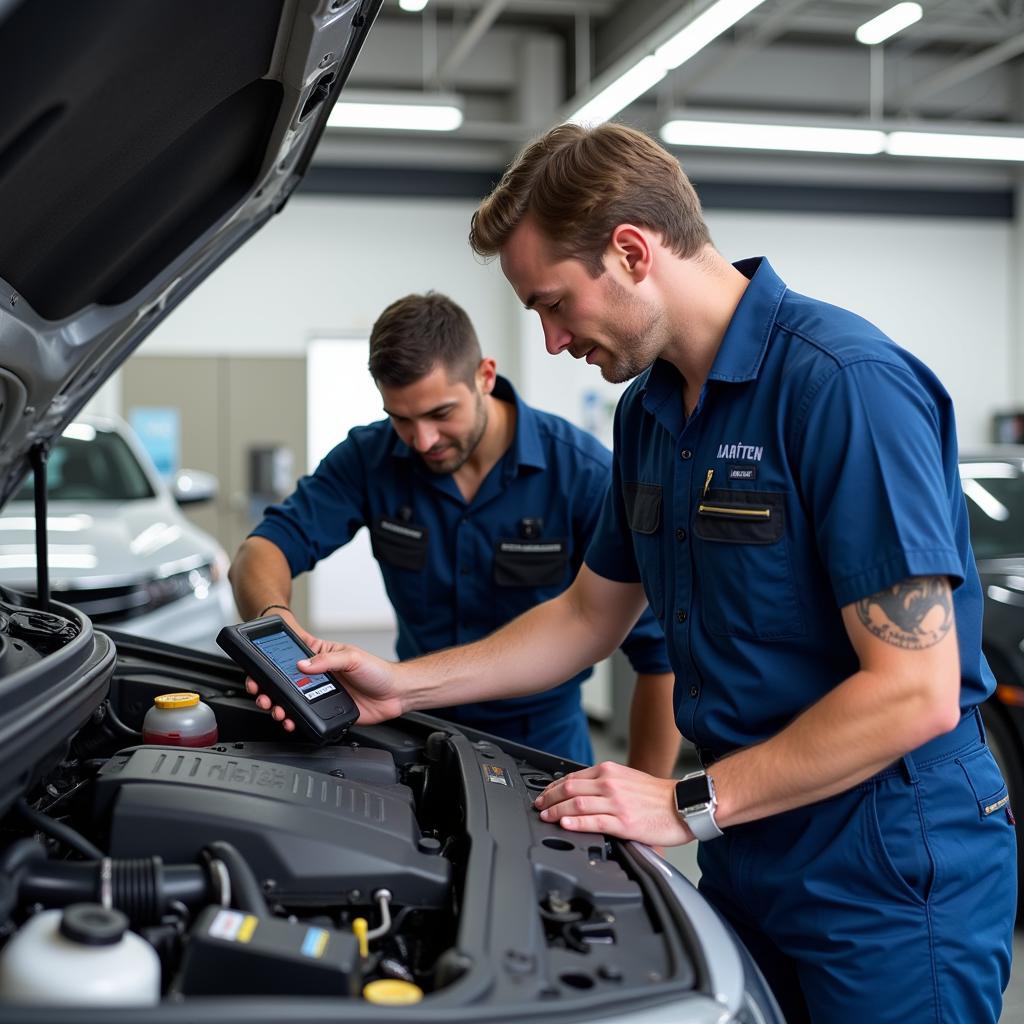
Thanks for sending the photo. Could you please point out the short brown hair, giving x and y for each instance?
(579, 183)
(416, 334)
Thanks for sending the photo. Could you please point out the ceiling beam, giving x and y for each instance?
(960, 72)
(759, 37)
(475, 31)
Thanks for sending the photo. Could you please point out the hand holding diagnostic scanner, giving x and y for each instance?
(268, 650)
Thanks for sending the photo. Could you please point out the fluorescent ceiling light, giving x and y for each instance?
(646, 73)
(704, 29)
(956, 147)
(609, 101)
(859, 138)
(798, 138)
(888, 23)
(412, 5)
(420, 112)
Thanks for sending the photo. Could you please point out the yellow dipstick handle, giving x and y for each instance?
(359, 928)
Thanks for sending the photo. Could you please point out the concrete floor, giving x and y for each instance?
(685, 859)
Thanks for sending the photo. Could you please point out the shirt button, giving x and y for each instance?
(680, 534)
(686, 454)
(681, 615)
(694, 691)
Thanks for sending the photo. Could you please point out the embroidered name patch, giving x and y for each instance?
(743, 472)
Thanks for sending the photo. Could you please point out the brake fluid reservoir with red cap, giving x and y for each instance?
(180, 719)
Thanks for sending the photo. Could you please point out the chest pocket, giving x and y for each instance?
(403, 545)
(747, 587)
(644, 515)
(401, 550)
(531, 563)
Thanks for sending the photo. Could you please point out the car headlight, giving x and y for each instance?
(130, 600)
(172, 588)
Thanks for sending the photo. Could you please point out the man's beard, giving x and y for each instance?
(464, 447)
(636, 332)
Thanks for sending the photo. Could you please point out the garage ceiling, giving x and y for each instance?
(519, 66)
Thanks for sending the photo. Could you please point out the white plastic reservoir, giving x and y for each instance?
(82, 955)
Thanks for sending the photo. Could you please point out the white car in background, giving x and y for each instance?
(120, 548)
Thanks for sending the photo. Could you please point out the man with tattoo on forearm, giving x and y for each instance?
(785, 495)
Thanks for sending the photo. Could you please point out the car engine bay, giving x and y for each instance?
(408, 855)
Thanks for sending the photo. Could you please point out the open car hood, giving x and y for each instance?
(141, 144)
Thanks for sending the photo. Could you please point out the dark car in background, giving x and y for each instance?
(993, 482)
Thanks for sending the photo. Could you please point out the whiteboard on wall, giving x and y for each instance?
(346, 589)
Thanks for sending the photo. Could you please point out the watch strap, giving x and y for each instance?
(700, 818)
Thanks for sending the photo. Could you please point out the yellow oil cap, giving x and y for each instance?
(392, 992)
(172, 701)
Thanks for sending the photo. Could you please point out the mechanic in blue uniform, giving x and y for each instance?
(478, 507)
(785, 495)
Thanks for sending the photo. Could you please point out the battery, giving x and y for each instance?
(230, 952)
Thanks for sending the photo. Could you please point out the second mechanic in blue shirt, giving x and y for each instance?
(478, 507)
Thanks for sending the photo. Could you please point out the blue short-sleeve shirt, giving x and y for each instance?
(454, 570)
(819, 467)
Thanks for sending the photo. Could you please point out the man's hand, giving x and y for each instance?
(263, 701)
(369, 680)
(618, 801)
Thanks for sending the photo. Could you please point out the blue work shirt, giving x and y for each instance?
(818, 467)
(455, 570)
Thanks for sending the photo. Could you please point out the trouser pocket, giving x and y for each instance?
(901, 840)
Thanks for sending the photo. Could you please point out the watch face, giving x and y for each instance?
(692, 792)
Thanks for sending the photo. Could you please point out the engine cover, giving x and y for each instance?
(311, 838)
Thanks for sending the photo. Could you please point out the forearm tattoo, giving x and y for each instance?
(914, 614)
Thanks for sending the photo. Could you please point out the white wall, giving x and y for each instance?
(329, 267)
(940, 288)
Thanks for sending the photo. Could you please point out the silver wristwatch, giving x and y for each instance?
(695, 804)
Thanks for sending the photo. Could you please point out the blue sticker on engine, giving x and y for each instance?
(315, 942)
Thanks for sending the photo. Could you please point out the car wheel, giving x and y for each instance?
(1007, 753)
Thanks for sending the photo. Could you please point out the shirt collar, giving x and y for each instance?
(526, 450)
(741, 351)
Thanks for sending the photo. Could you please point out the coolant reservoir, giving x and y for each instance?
(180, 719)
(83, 955)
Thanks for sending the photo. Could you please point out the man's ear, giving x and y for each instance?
(486, 375)
(631, 248)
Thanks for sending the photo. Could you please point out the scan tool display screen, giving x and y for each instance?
(284, 652)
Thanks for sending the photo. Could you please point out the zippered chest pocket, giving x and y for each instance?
(741, 517)
(747, 586)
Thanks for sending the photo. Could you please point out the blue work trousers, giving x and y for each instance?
(891, 902)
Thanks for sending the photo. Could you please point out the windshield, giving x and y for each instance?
(96, 465)
(995, 506)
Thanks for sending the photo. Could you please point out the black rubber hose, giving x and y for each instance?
(12, 867)
(140, 891)
(58, 830)
(18, 854)
(118, 727)
(245, 887)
